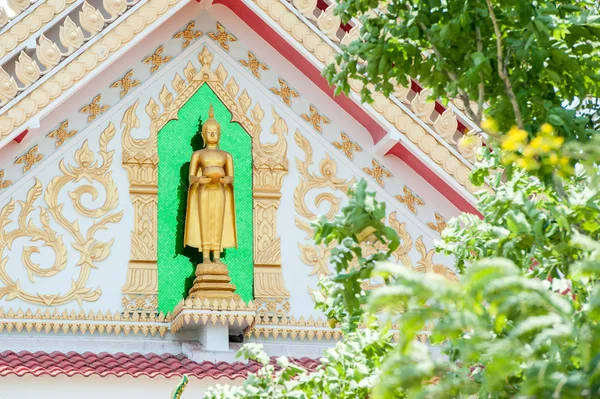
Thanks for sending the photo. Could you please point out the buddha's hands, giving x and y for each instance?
(199, 180)
(226, 180)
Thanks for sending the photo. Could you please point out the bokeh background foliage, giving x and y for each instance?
(177, 140)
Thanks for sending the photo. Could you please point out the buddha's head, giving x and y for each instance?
(211, 129)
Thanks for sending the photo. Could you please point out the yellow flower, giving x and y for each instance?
(557, 142)
(529, 151)
(490, 125)
(537, 143)
(553, 159)
(517, 134)
(564, 161)
(511, 145)
(527, 163)
(547, 129)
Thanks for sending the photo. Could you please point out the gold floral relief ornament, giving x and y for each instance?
(91, 250)
(315, 119)
(222, 37)
(61, 134)
(254, 65)
(410, 200)
(94, 109)
(187, 34)
(285, 92)
(378, 172)
(4, 182)
(156, 59)
(440, 224)
(126, 83)
(347, 146)
(30, 158)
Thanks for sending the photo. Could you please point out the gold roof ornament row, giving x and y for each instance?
(103, 48)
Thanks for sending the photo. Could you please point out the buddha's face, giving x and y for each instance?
(212, 133)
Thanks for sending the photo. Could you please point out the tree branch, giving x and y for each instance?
(481, 85)
(464, 96)
(502, 71)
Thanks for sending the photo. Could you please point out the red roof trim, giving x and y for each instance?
(121, 364)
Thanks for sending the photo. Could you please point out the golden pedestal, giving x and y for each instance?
(212, 281)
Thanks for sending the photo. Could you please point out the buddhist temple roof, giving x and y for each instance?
(120, 364)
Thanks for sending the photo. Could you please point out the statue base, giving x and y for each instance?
(212, 281)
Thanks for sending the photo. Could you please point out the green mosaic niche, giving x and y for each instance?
(177, 140)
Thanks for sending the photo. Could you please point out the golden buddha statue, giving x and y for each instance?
(210, 215)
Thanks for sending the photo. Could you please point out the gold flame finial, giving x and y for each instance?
(211, 112)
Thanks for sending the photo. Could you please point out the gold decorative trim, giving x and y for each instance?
(61, 134)
(270, 165)
(378, 172)
(315, 119)
(30, 158)
(202, 311)
(87, 61)
(410, 200)
(91, 250)
(126, 83)
(156, 59)
(439, 225)
(222, 37)
(187, 34)
(31, 23)
(140, 159)
(347, 146)
(3, 182)
(254, 65)
(293, 328)
(94, 109)
(285, 92)
(72, 322)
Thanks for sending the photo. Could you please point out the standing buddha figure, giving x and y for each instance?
(210, 215)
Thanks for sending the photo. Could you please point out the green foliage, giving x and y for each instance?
(530, 63)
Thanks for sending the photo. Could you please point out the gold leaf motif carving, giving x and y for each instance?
(126, 83)
(30, 158)
(425, 264)
(178, 83)
(91, 19)
(347, 146)
(222, 37)
(156, 59)
(378, 172)
(166, 97)
(4, 182)
(254, 65)
(316, 257)
(91, 250)
(94, 109)
(315, 119)
(410, 200)
(286, 93)
(188, 34)
(27, 70)
(115, 8)
(8, 87)
(47, 52)
(70, 35)
(61, 134)
(439, 225)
